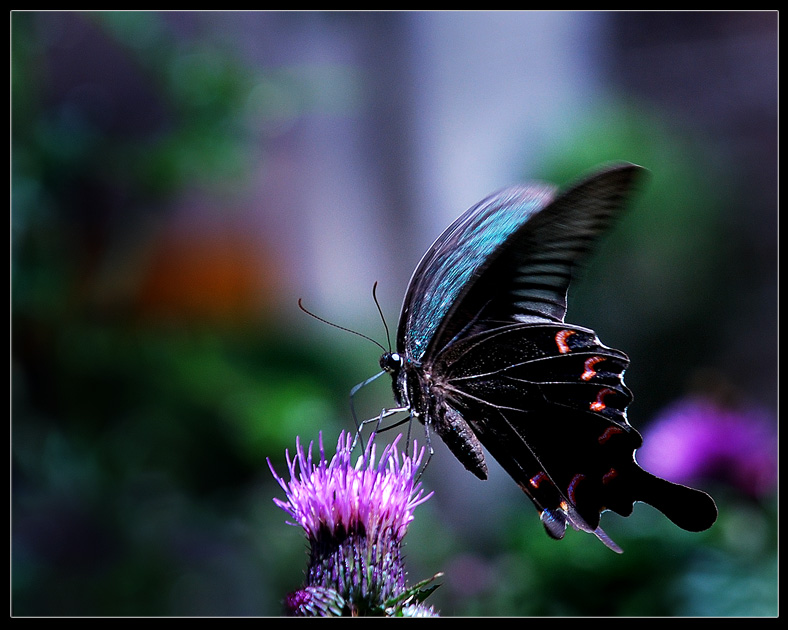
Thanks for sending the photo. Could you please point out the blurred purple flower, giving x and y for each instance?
(354, 517)
(697, 437)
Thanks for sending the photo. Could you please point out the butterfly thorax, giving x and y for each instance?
(406, 377)
(425, 397)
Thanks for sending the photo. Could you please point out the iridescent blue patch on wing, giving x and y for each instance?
(461, 252)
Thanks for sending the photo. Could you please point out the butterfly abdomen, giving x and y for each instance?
(460, 438)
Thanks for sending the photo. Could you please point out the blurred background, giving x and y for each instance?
(179, 180)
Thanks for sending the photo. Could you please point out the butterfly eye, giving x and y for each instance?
(391, 362)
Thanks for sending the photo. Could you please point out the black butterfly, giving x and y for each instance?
(484, 358)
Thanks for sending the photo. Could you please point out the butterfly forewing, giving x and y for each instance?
(533, 240)
(457, 258)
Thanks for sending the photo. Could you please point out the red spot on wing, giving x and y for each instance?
(570, 490)
(598, 404)
(537, 479)
(609, 475)
(609, 432)
(589, 371)
(560, 340)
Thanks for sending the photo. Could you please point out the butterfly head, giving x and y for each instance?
(391, 362)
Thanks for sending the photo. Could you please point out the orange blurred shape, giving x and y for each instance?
(217, 276)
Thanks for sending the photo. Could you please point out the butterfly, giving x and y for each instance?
(485, 360)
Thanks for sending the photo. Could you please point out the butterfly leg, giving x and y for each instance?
(360, 425)
(428, 442)
(353, 393)
(384, 413)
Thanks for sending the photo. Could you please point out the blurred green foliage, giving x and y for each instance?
(139, 443)
(662, 572)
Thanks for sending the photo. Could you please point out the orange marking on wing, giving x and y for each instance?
(598, 405)
(609, 432)
(590, 372)
(537, 479)
(570, 490)
(560, 340)
(609, 475)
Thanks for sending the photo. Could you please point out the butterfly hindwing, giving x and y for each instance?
(533, 400)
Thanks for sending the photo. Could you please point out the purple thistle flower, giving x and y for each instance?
(355, 518)
(698, 437)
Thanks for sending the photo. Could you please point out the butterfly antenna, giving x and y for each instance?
(380, 310)
(325, 321)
